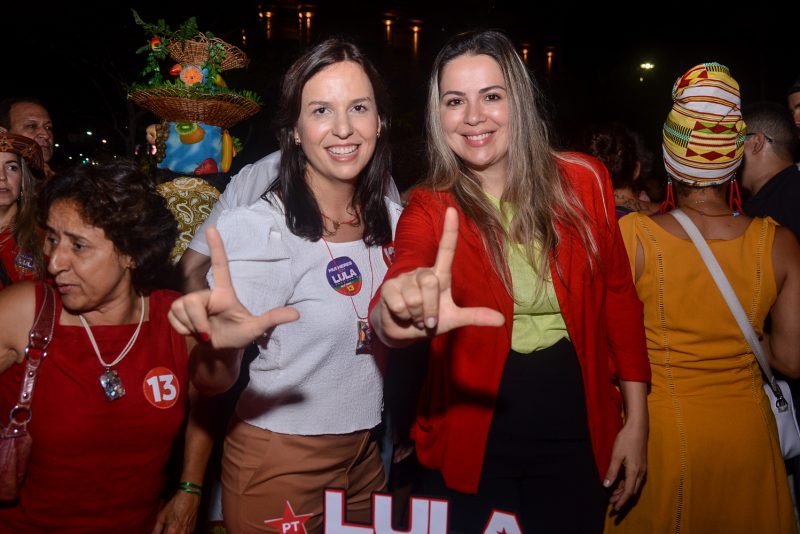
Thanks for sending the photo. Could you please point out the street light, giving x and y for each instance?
(646, 67)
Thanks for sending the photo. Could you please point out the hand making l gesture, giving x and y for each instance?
(419, 303)
(216, 315)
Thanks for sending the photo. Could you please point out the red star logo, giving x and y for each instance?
(290, 523)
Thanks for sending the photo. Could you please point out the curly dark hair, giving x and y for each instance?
(615, 147)
(119, 198)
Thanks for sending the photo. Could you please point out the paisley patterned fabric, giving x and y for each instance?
(190, 200)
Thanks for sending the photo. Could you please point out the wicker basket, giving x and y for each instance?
(195, 52)
(183, 105)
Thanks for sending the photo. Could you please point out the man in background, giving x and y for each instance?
(28, 117)
(769, 172)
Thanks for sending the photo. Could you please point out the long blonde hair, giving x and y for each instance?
(24, 227)
(534, 186)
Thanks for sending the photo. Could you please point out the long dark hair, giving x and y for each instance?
(303, 216)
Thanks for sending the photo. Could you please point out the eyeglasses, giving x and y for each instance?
(768, 138)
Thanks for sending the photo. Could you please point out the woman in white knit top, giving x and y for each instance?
(319, 242)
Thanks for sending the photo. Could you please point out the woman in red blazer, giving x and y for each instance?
(512, 262)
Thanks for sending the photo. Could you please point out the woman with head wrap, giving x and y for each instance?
(714, 460)
(20, 245)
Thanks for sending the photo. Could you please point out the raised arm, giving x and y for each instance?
(224, 326)
(193, 267)
(419, 303)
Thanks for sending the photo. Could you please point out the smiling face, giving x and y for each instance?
(89, 272)
(10, 179)
(33, 121)
(474, 114)
(338, 123)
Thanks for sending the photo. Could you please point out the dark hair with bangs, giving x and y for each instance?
(303, 216)
(119, 199)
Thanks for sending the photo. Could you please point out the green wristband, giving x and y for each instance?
(188, 487)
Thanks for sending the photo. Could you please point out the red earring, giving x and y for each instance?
(735, 197)
(669, 202)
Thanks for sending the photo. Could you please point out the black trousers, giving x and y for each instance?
(539, 463)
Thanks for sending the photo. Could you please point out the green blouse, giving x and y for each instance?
(538, 322)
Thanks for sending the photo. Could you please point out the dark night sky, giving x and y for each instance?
(75, 57)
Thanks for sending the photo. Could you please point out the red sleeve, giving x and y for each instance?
(622, 310)
(417, 236)
(624, 313)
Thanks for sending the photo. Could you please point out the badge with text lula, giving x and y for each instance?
(343, 276)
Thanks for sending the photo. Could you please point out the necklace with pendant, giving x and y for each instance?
(355, 222)
(109, 380)
(363, 330)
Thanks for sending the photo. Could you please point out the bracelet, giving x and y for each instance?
(188, 487)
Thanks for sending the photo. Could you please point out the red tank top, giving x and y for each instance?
(100, 465)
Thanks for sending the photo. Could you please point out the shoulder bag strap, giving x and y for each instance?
(730, 298)
(38, 340)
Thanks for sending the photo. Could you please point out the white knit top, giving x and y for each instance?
(307, 379)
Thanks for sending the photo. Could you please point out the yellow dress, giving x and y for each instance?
(714, 462)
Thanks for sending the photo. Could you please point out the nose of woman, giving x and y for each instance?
(56, 258)
(473, 113)
(342, 127)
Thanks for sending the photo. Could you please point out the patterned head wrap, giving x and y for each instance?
(704, 133)
(25, 147)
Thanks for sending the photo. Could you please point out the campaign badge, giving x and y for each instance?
(161, 388)
(388, 254)
(343, 276)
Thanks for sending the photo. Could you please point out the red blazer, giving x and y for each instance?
(601, 310)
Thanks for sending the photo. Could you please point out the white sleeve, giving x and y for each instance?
(393, 193)
(258, 259)
(395, 209)
(245, 188)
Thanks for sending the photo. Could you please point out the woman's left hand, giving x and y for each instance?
(630, 456)
(216, 315)
(179, 515)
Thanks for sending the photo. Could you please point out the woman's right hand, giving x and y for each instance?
(216, 315)
(419, 303)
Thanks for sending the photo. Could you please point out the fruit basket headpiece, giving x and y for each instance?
(198, 94)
